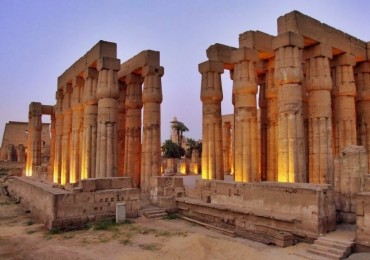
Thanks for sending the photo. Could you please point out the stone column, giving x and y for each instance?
(121, 129)
(21, 156)
(133, 105)
(262, 102)
(211, 97)
(57, 170)
(77, 123)
(288, 79)
(344, 93)
(34, 138)
(66, 134)
(320, 133)
(151, 145)
(227, 146)
(245, 115)
(88, 156)
(363, 105)
(107, 94)
(272, 120)
(52, 146)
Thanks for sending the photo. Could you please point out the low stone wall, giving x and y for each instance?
(164, 190)
(363, 221)
(262, 211)
(59, 208)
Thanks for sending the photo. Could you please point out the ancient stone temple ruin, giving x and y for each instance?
(96, 123)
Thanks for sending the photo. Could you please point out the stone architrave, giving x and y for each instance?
(66, 134)
(363, 105)
(88, 154)
(272, 121)
(77, 127)
(320, 133)
(107, 93)
(211, 97)
(151, 143)
(133, 105)
(344, 93)
(57, 170)
(288, 79)
(34, 138)
(245, 115)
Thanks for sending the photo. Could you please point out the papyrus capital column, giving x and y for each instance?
(344, 93)
(133, 106)
(34, 138)
(320, 133)
(107, 93)
(58, 116)
(66, 133)
(151, 145)
(288, 79)
(245, 115)
(211, 97)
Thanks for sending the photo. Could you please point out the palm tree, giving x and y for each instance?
(172, 150)
(180, 128)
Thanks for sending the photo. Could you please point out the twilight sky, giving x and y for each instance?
(40, 39)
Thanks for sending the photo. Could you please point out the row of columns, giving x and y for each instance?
(96, 126)
(309, 112)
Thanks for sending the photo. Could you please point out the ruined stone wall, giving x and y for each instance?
(91, 200)
(363, 220)
(262, 209)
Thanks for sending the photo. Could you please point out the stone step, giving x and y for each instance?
(329, 249)
(326, 254)
(154, 213)
(307, 255)
(336, 241)
(346, 249)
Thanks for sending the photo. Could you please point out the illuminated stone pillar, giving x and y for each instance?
(227, 146)
(133, 105)
(121, 129)
(288, 79)
(57, 165)
(272, 121)
(344, 93)
(107, 93)
(34, 138)
(77, 126)
(211, 97)
(320, 133)
(363, 106)
(151, 145)
(245, 115)
(66, 134)
(52, 146)
(262, 127)
(90, 117)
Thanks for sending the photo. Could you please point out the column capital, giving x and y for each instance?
(152, 70)
(244, 54)
(318, 50)
(67, 88)
(90, 73)
(108, 63)
(211, 66)
(133, 79)
(344, 59)
(363, 67)
(287, 39)
(35, 109)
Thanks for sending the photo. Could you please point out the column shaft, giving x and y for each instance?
(34, 138)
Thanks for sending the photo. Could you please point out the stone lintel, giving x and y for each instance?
(35, 109)
(78, 81)
(133, 79)
(287, 39)
(90, 73)
(318, 50)
(101, 49)
(214, 66)
(344, 59)
(260, 41)
(47, 110)
(136, 63)
(152, 70)
(363, 67)
(220, 52)
(320, 32)
(107, 63)
(244, 54)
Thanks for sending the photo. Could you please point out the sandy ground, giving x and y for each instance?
(21, 237)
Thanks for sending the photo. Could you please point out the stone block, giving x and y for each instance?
(260, 41)
(213, 66)
(192, 193)
(166, 202)
(287, 39)
(363, 67)
(168, 191)
(178, 182)
(244, 54)
(344, 59)
(318, 50)
(121, 183)
(103, 184)
(108, 63)
(88, 185)
(220, 52)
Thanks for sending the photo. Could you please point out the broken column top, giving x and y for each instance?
(101, 49)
